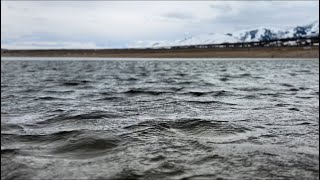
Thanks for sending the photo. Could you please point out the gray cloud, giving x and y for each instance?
(275, 14)
(179, 15)
(221, 7)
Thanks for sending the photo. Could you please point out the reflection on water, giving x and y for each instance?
(139, 119)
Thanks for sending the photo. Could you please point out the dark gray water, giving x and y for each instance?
(196, 119)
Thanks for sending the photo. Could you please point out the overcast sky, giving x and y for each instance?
(108, 24)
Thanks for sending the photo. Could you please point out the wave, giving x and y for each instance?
(50, 98)
(84, 116)
(195, 127)
(209, 102)
(74, 143)
(87, 145)
(197, 94)
(10, 127)
(135, 92)
(251, 89)
(75, 82)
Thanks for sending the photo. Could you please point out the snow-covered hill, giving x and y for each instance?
(249, 35)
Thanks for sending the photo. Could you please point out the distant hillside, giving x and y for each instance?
(249, 35)
(3, 50)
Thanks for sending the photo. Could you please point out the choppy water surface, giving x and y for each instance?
(192, 119)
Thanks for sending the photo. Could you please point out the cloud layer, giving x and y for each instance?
(108, 24)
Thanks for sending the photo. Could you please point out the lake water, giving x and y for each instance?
(159, 119)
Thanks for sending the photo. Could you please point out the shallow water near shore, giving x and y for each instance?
(177, 119)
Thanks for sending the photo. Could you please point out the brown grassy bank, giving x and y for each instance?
(271, 52)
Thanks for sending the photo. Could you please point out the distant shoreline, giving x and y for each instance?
(256, 52)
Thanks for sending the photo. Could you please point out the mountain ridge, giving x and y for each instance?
(247, 35)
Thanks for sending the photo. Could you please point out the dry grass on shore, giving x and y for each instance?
(275, 52)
